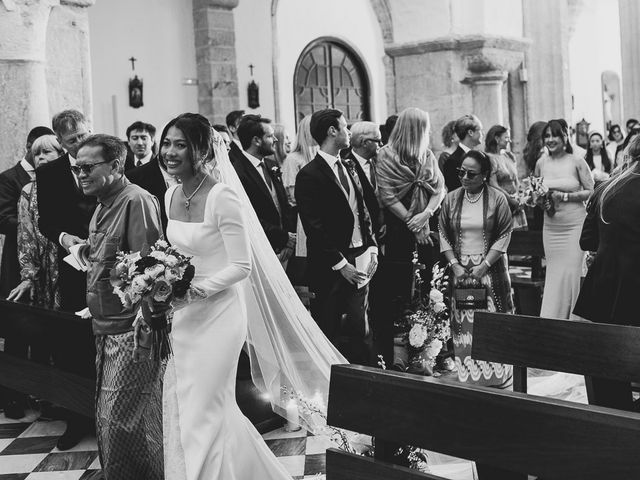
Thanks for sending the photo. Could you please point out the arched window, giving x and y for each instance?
(328, 75)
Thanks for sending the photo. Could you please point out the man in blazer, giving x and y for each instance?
(336, 217)
(468, 128)
(140, 142)
(233, 122)
(261, 179)
(65, 213)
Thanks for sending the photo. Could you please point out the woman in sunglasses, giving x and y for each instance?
(475, 230)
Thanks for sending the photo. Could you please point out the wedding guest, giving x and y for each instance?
(504, 171)
(233, 121)
(386, 130)
(141, 141)
(622, 158)
(335, 213)
(616, 138)
(449, 141)
(631, 124)
(12, 181)
(410, 188)
(597, 158)
(608, 294)
(570, 183)
(475, 231)
(469, 130)
(283, 144)
(128, 388)
(304, 150)
(534, 148)
(38, 256)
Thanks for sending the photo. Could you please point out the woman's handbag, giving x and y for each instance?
(470, 297)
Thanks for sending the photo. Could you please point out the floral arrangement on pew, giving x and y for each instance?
(534, 192)
(424, 328)
(160, 277)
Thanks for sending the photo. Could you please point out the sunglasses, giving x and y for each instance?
(470, 175)
(86, 169)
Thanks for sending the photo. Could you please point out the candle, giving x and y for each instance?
(292, 416)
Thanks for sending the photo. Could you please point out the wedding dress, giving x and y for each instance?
(249, 301)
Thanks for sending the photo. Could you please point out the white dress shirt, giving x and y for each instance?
(138, 162)
(256, 163)
(365, 164)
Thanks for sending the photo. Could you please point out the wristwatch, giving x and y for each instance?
(565, 197)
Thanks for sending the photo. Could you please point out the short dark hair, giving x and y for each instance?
(218, 127)
(251, 126)
(66, 120)
(629, 123)
(143, 127)
(233, 117)
(612, 128)
(483, 159)
(321, 121)
(464, 124)
(112, 147)
(197, 133)
(559, 128)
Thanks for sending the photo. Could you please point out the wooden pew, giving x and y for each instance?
(584, 348)
(538, 436)
(527, 290)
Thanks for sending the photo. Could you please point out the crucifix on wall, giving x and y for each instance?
(135, 87)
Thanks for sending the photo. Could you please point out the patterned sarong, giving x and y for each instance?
(128, 411)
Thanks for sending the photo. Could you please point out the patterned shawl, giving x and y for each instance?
(396, 179)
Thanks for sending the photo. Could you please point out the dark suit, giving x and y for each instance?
(328, 221)
(11, 183)
(149, 177)
(276, 225)
(235, 152)
(450, 170)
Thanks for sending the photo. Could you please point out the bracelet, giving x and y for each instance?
(565, 197)
(453, 261)
(487, 263)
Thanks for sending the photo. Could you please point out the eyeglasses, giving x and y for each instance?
(86, 169)
(375, 140)
(470, 175)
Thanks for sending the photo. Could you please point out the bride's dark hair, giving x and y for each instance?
(197, 132)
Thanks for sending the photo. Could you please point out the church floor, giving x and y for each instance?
(27, 446)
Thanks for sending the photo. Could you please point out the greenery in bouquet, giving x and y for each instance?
(424, 327)
(533, 192)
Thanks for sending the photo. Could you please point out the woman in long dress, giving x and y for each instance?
(206, 435)
(570, 182)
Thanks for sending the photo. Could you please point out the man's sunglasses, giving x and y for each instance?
(470, 175)
(86, 169)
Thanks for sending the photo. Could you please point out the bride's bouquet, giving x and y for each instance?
(534, 192)
(154, 280)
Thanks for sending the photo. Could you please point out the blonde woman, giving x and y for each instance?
(410, 187)
(283, 145)
(303, 152)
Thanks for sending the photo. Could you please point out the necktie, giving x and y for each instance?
(138, 162)
(343, 177)
(372, 174)
(267, 178)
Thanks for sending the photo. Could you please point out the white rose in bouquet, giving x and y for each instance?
(439, 307)
(158, 255)
(434, 348)
(417, 336)
(171, 261)
(436, 296)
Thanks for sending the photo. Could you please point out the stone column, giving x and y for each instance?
(486, 92)
(216, 58)
(546, 24)
(23, 86)
(630, 45)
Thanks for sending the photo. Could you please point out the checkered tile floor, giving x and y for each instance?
(27, 452)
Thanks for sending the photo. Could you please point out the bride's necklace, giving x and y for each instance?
(471, 199)
(187, 202)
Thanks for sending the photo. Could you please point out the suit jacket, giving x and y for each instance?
(327, 217)
(377, 214)
(130, 161)
(235, 153)
(149, 177)
(11, 183)
(451, 166)
(64, 208)
(276, 225)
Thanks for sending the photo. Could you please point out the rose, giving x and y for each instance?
(171, 261)
(439, 307)
(433, 348)
(172, 274)
(158, 255)
(161, 291)
(436, 296)
(139, 285)
(417, 336)
(161, 244)
(154, 271)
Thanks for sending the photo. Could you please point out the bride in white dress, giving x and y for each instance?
(206, 435)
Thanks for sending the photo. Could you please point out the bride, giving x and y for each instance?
(240, 295)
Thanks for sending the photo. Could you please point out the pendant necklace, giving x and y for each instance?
(473, 200)
(187, 202)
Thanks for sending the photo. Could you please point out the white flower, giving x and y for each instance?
(154, 271)
(161, 244)
(171, 261)
(436, 296)
(158, 255)
(172, 274)
(139, 285)
(417, 336)
(439, 307)
(434, 348)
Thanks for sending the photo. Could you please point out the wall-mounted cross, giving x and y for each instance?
(133, 61)
(251, 67)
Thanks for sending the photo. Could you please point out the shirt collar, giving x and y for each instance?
(330, 159)
(464, 147)
(237, 142)
(117, 187)
(144, 160)
(28, 167)
(254, 160)
(361, 160)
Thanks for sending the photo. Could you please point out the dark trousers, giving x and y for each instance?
(340, 309)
